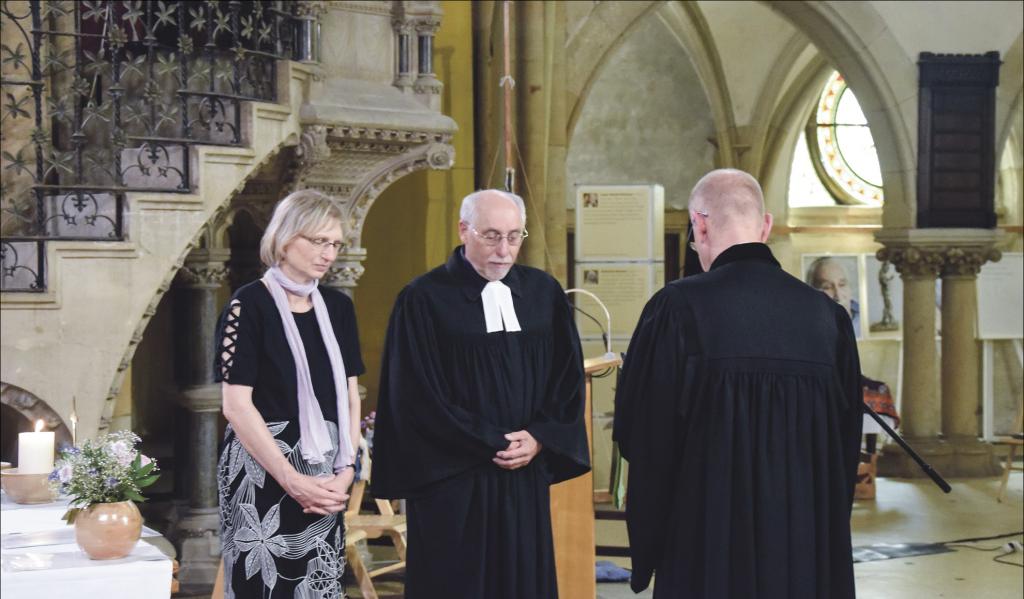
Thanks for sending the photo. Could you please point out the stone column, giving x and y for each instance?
(920, 409)
(961, 363)
(918, 263)
(939, 417)
(198, 533)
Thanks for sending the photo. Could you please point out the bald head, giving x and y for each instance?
(732, 195)
(726, 209)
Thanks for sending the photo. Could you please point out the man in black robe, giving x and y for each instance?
(739, 410)
(480, 411)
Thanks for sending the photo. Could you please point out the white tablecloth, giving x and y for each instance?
(40, 560)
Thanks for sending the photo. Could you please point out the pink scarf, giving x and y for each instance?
(314, 438)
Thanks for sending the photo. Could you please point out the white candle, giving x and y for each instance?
(35, 451)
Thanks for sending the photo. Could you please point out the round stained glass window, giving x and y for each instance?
(845, 150)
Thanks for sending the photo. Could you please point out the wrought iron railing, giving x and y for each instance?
(101, 98)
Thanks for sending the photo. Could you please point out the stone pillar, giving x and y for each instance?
(921, 410)
(939, 418)
(307, 31)
(425, 21)
(961, 362)
(346, 270)
(198, 533)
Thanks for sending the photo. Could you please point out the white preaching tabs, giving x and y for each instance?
(498, 308)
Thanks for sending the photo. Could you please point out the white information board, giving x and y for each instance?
(1001, 298)
(620, 222)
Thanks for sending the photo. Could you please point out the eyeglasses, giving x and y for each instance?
(322, 243)
(693, 244)
(493, 238)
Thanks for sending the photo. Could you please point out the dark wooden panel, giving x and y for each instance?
(951, 161)
(956, 140)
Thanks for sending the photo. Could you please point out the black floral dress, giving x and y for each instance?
(271, 549)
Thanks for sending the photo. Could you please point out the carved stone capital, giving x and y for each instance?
(912, 262)
(402, 26)
(938, 252)
(426, 25)
(203, 277)
(967, 261)
(310, 8)
(205, 268)
(347, 268)
(343, 275)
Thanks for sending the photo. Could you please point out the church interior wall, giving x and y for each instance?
(413, 224)
(647, 112)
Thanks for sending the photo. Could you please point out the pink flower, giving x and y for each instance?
(122, 452)
(144, 460)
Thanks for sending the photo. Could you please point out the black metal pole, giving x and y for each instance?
(932, 474)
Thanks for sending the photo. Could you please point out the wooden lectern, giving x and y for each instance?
(572, 511)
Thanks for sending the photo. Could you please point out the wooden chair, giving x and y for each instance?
(1014, 441)
(372, 526)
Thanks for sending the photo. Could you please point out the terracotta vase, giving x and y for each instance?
(108, 530)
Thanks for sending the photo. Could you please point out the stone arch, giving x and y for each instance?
(882, 92)
(785, 126)
(593, 42)
(772, 122)
(591, 47)
(204, 231)
(436, 155)
(30, 407)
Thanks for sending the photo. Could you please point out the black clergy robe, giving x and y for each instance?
(449, 392)
(739, 410)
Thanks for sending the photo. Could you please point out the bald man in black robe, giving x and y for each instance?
(480, 411)
(739, 410)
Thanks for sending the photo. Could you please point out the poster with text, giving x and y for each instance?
(624, 288)
(619, 222)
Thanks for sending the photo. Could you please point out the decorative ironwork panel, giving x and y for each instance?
(22, 265)
(104, 97)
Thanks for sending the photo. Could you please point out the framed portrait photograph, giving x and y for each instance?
(839, 277)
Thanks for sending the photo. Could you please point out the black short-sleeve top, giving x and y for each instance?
(251, 349)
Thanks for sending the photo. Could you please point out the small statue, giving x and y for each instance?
(888, 322)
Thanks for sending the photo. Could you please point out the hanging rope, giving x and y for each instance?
(508, 83)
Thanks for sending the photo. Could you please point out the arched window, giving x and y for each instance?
(835, 161)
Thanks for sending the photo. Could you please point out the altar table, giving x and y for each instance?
(39, 559)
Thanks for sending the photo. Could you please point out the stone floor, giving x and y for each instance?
(905, 511)
(916, 511)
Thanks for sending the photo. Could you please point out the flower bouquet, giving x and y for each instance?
(104, 477)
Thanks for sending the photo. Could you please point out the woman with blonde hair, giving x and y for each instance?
(288, 357)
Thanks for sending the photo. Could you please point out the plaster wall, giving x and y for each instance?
(646, 119)
(925, 26)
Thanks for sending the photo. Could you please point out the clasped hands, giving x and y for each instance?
(522, 448)
(319, 495)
